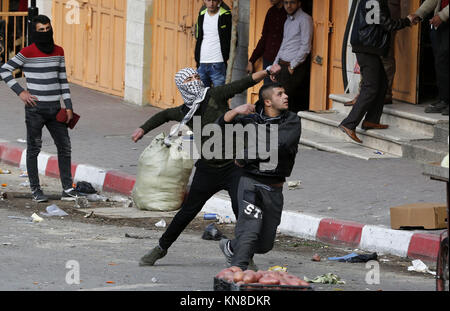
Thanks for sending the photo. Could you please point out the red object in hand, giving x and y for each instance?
(62, 117)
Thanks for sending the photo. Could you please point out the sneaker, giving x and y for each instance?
(38, 196)
(224, 245)
(436, 108)
(152, 256)
(445, 111)
(70, 195)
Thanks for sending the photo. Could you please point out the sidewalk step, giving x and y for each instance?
(389, 140)
(441, 132)
(401, 115)
(425, 151)
(340, 146)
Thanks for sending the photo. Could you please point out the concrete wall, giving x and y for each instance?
(45, 7)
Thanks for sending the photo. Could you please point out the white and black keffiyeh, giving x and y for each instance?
(193, 93)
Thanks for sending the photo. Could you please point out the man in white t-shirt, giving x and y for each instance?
(213, 34)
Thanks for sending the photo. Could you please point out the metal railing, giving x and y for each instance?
(13, 32)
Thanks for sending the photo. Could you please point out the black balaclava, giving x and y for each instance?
(44, 41)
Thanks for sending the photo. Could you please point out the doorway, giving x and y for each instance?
(428, 91)
(258, 11)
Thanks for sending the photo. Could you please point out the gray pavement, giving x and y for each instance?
(333, 186)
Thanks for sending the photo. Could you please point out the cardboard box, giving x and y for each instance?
(426, 215)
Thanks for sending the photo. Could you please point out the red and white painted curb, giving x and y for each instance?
(346, 233)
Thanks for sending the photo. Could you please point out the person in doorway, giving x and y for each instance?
(389, 62)
(212, 49)
(261, 188)
(370, 41)
(294, 55)
(43, 64)
(439, 40)
(211, 175)
(272, 36)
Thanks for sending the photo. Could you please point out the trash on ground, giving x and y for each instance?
(110, 282)
(419, 266)
(4, 185)
(278, 268)
(5, 172)
(161, 224)
(35, 218)
(211, 233)
(96, 198)
(316, 257)
(85, 188)
(24, 174)
(211, 216)
(292, 185)
(224, 220)
(328, 278)
(7, 244)
(354, 257)
(23, 141)
(54, 210)
(81, 202)
(154, 280)
(379, 152)
(118, 199)
(25, 184)
(89, 215)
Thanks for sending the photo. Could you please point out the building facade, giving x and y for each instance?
(132, 48)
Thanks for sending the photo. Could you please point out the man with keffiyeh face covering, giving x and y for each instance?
(211, 175)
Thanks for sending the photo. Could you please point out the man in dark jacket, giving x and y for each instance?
(261, 187)
(371, 39)
(271, 38)
(212, 49)
(211, 175)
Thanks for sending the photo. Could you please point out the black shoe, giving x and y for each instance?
(70, 195)
(38, 196)
(437, 108)
(152, 256)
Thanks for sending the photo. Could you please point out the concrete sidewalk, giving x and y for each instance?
(341, 200)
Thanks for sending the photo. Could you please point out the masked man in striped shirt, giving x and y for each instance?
(44, 67)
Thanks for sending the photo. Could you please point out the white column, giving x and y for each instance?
(45, 7)
(138, 51)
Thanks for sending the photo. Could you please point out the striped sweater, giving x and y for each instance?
(45, 76)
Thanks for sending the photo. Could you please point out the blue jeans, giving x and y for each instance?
(213, 74)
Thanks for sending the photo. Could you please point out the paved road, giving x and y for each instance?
(34, 257)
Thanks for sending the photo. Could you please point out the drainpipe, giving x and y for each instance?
(33, 11)
(351, 18)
